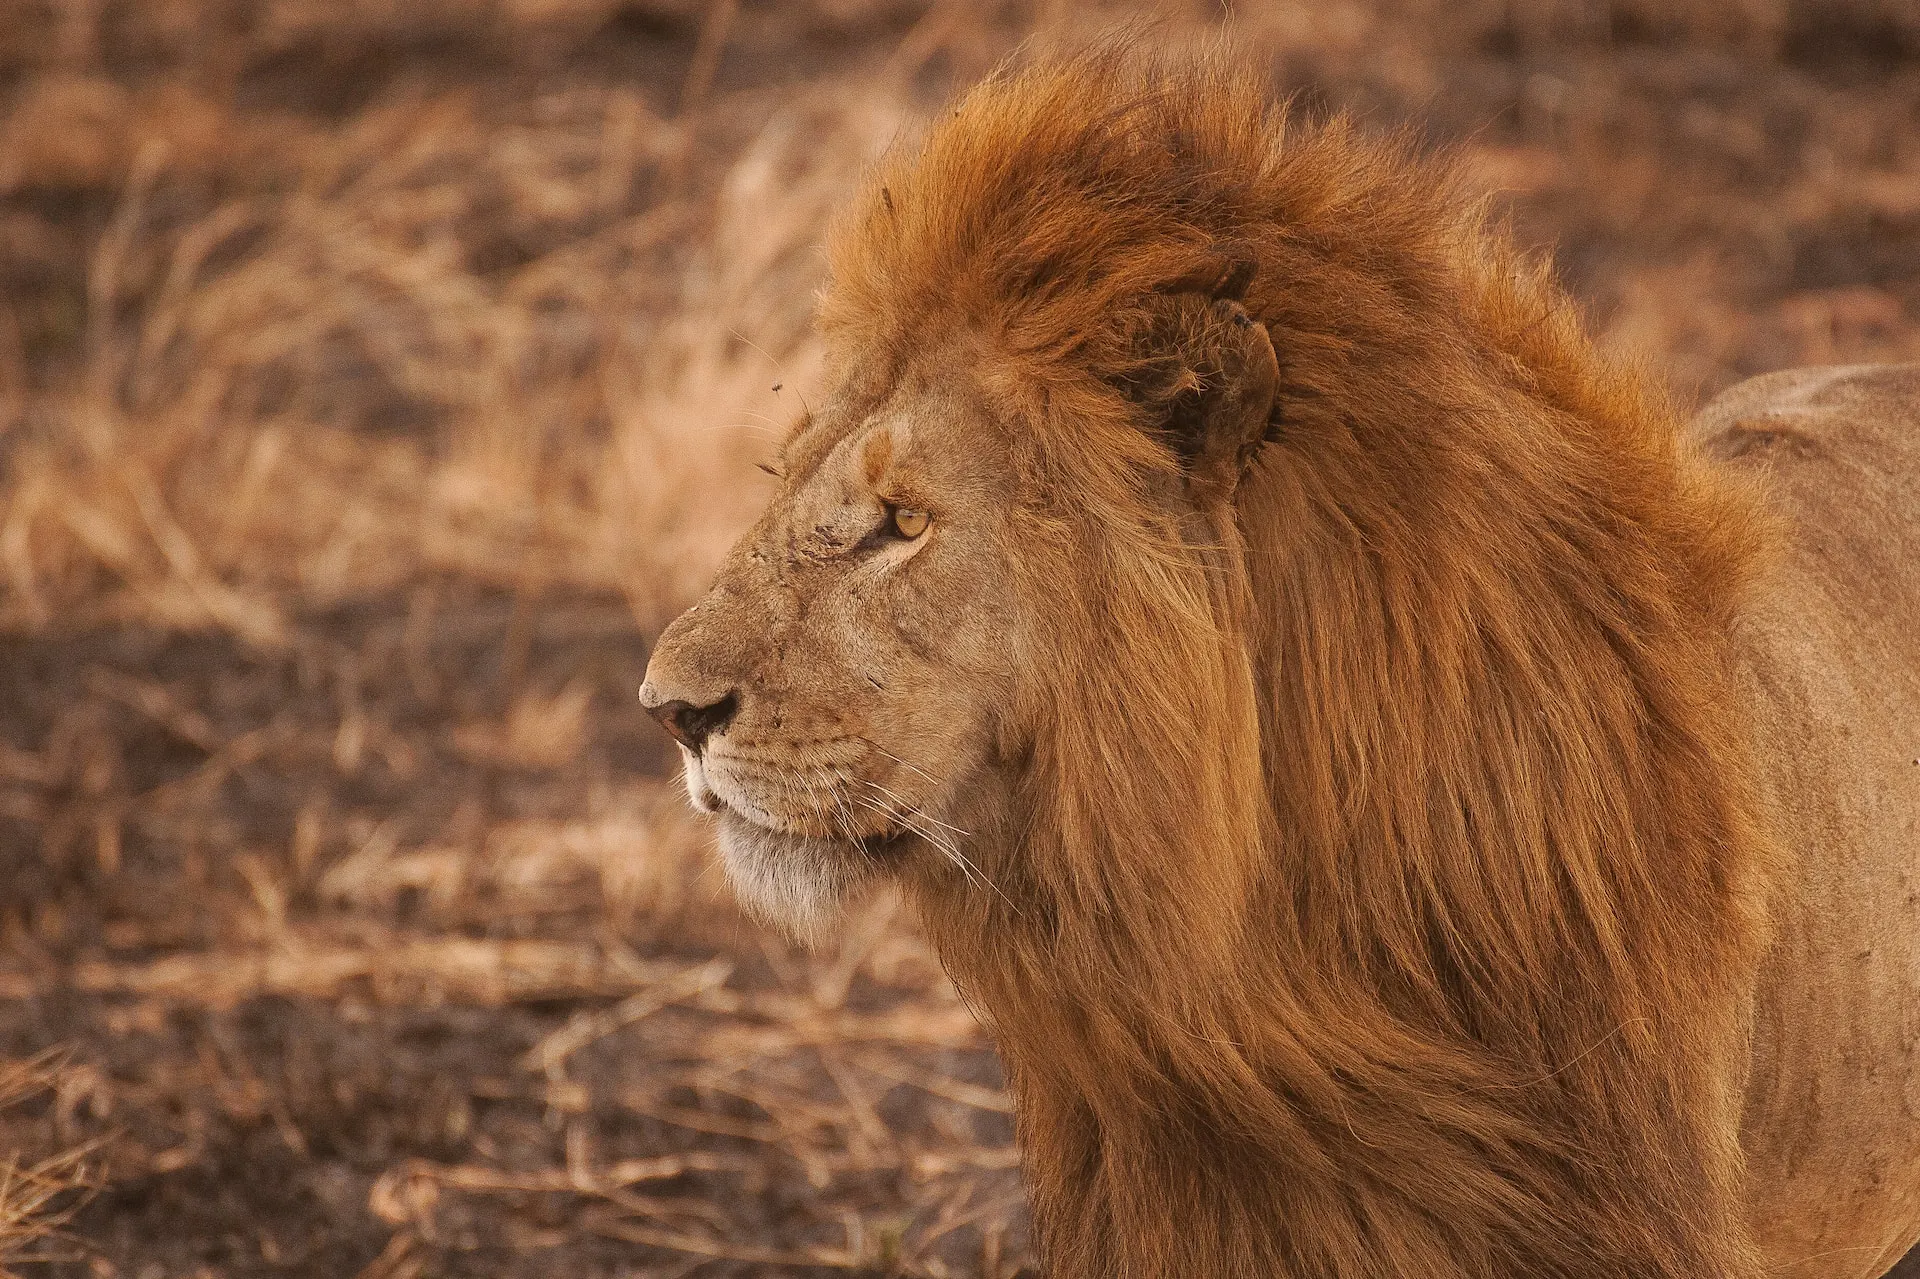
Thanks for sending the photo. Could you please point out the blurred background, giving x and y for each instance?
(378, 376)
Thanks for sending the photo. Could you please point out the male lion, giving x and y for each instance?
(1402, 810)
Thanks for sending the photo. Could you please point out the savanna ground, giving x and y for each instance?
(377, 377)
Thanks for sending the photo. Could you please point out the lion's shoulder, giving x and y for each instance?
(1837, 453)
(1816, 414)
(1829, 657)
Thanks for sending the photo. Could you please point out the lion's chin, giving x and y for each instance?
(798, 883)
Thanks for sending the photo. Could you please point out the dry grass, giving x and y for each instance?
(376, 378)
(37, 1196)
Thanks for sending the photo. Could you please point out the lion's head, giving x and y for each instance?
(1001, 570)
(861, 691)
(843, 692)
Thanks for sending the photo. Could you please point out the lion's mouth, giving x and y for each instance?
(879, 845)
(709, 794)
(886, 844)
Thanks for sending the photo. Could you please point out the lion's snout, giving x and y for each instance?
(687, 688)
(690, 725)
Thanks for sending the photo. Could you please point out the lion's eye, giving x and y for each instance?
(909, 523)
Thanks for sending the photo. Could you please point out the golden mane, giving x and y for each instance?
(1392, 885)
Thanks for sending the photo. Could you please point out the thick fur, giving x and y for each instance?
(1390, 881)
(1315, 712)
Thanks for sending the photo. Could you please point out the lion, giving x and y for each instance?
(1402, 805)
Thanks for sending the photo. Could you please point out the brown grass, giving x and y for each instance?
(38, 1195)
(375, 379)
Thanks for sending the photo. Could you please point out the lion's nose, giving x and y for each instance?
(690, 725)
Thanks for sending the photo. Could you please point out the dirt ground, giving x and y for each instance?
(377, 378)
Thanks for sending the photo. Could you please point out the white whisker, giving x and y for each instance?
(907, 814)
(964, 834)
(947, 850)
(939, 786)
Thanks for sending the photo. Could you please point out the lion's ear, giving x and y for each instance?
(1206, 375)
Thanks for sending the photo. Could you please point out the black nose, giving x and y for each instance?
(691, 725)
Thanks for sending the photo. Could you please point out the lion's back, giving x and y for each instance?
(1829, 650)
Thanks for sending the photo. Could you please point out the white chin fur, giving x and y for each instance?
(695, 774)
(798, 884)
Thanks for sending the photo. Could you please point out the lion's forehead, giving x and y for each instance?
(825, 443)
(934, 420)
(833, 496)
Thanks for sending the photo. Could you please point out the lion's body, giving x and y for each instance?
(1829, 652)
(1363, 787)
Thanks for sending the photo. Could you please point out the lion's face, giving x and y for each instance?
(883, 651)
(841, 690)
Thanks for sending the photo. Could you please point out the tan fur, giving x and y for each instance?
(1830, 671)
(1336, 796)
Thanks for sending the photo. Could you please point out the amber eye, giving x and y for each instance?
(909, 523)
